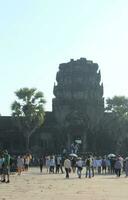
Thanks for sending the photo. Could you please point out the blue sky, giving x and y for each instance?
(37, 35)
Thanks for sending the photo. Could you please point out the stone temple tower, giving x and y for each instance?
(78, 105)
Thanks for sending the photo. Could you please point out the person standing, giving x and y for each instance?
(73, 164)
(52, 164)
(20, 164)
(99, 164)
(126, 167)
(61, 164)
(94, 166)
(88, 163)
(108, 165)
(41, 161)
(47, 163)
(67, 166)
(26, 162)
(6, 167)
(104, 165)
(58, 163)
(1, 166)
(112, 165)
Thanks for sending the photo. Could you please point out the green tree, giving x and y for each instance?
(118, 107)
(28, 111)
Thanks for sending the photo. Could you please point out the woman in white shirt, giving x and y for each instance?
(67, 166)
(20, 164)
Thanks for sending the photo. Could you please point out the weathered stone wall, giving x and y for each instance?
(78, 97)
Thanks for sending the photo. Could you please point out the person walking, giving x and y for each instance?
(118, 166)
(67, 166)
(79, 165)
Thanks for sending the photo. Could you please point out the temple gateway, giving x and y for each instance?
(77, 112)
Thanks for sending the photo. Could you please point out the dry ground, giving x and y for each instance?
(35, 186)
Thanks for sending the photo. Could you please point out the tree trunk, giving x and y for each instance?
(118, 147)
(68, 141)
(27, 142)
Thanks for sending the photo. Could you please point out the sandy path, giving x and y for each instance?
(34, 186)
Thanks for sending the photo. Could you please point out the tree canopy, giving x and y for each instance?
(28, 111)
(118, 105)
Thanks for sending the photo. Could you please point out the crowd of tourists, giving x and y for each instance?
(92, 165)
(12, 164)
(86, 166)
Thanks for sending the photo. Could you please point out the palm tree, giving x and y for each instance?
(28, 111)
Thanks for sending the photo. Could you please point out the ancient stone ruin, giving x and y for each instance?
(78, 105)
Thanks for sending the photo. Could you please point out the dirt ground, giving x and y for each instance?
(35, 186)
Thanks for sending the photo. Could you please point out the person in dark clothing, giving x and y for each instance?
(41, 163)
(118, 166)
(104, 166)
(88, 166)
(61, 165)
(112, 164)
(73, 164)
